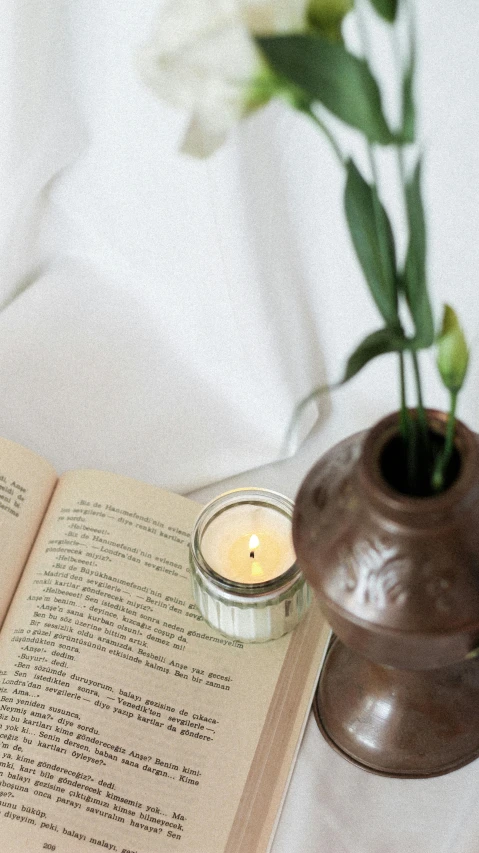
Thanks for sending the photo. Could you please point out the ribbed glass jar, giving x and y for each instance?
(250, 612)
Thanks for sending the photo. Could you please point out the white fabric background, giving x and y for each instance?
(177, 310)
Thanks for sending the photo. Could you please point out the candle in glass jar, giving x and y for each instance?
(249, 544)
(245, 580)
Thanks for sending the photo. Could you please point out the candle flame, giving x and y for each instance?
(253, 542)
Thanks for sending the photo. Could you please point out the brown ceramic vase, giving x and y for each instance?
(398, 580)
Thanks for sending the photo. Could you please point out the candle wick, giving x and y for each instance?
(252, 555)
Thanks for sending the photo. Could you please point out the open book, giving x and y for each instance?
(126, 723)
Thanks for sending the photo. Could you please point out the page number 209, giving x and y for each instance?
(49, 847)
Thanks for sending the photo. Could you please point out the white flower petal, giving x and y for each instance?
(201, 139)
(192, 45)
(202, 57)
(267, 17)
(210, 126)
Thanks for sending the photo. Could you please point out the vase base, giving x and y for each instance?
(409, 724)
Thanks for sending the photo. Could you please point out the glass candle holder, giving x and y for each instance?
(246, 583)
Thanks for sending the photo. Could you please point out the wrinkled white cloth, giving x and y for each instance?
(176, 310)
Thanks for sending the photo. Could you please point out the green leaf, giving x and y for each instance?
(452, 352)
(373, 240)
(408, 130)
(378, 343)
(415, 286)
(328, 73)
(375, 344)
(386, 8)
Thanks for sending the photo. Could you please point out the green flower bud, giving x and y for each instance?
(327, 16)
(452, 352)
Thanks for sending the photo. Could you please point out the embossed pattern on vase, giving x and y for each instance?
(383, 567)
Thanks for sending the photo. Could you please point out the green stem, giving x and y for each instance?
(329, 136)
(412, 458)
(402, 172)
(451, 424)
(444, 458)
(421, 414)
(404, 418)
(422, 448)
(408, 429)
(367, 53)
(424, 459)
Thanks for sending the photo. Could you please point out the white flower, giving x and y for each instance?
(202, 58)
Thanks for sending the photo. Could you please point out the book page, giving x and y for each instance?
(126, 723)
(26, 484)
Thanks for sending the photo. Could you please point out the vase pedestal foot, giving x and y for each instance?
(394, 722)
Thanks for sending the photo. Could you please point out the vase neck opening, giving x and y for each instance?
(413, 476)
(384, 467)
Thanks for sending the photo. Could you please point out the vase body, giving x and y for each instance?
(398, 580)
